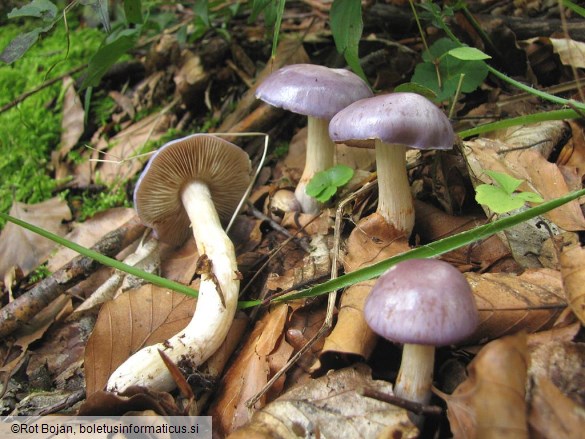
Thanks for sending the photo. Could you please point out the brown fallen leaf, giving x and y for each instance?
(563, 363)
(510, 303)
(22, 248)
(90, 232)
(490, 403)
(135, 319)
(573, 271)
(331, 406)
(249, 372)
(553, 415)
(72, 127)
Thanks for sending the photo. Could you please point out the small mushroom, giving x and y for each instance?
(390, 123)
(317, 92)
(422, 303)
(195, 182)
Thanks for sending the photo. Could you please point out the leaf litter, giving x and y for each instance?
(322, 394)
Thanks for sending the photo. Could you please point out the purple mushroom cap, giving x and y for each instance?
(402, 118)
(312, 90)
(422, 301)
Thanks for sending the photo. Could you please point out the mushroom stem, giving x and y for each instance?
(320, 156)
(211, 321)
(415, 376)
(394, 198)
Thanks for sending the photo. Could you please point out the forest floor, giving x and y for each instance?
(68, 322)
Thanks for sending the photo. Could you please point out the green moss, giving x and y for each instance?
(31, 130)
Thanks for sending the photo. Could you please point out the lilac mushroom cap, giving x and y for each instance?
(422, 301)
(312, 90)
(221, 165)
(390, 123)
(398, 118)
(317, 92)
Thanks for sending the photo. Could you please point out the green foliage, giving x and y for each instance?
(103, 200)
(448, 67)
(574, 7)
(346, 27)
(501, 197)
(40, 273)
(324, 184)
(272, 11)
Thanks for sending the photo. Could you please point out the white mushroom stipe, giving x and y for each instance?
(211, 321)
(320, 156)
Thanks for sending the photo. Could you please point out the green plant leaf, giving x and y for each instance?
(413, 87)
(468, 54)
(574, 7)
(324, 184)
(500, 197)
(37, 8)
(20, 44)
(497, 199)
(442, 72)
(508, 183)
(432, 250)
(347, 26)
(133, 11)
(107, 55)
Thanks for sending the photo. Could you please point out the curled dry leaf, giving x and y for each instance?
(136, 319)
(490, 403)
(22, 248)
(573, 271)
(331, 406)
(372, 240)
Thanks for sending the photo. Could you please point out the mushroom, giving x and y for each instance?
(317, 92)
(197, 182)
(422, 303)
(390, 123)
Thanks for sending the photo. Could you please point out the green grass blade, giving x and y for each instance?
(434, 249)
(520, 120)
(105, 260)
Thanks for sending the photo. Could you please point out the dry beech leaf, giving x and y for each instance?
(72, 126)
(22, 248)
(553, 415)
(136, 319)
(509, 303)
(571, 52)
(564, 364)
(490, 403)
(123, 164)
(249, 372)
(331, 407)
(573, 271)
(90, 232)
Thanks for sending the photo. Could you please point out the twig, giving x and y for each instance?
(18, 312)
(414, 407)
(44, 85)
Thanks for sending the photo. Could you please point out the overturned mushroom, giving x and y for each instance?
(196, 181)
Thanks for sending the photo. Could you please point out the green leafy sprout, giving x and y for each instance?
(501, 197)
(323, 186)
